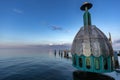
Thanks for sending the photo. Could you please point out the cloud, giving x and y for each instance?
(68, 31)
(56, 28)
(117, 41)
(116, 44)
(53, 27)
(17, 11)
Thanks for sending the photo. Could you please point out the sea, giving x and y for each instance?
(20, 64)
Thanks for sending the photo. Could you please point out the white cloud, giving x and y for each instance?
(17, 11)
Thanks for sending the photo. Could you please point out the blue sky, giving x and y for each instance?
(24, 22)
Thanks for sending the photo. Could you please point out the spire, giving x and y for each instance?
(110, 39)
(86, 17)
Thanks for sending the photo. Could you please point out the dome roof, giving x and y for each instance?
(91, 41)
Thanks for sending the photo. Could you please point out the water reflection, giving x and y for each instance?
(81, 75)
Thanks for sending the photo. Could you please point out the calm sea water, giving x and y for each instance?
(27, 65)
(36, 65)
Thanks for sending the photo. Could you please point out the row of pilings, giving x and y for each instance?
(63, 53)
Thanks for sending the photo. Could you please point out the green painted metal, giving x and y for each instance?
(99, 63)
(87, 18)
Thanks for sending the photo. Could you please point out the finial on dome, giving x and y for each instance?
(86, 6)
(86, 17)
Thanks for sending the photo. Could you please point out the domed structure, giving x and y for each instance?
(91, 49)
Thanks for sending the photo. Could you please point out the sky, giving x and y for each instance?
(35, 22)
